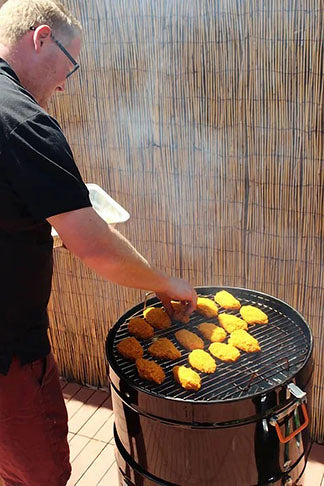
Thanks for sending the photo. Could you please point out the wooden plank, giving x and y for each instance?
(81, 397)
(85, 458)
(63, 383)
(70, 436)
(77, 444)
(70, 390)
(86, 411)
(314, 472)
(99, 467)
(111, 477)
(96, 421)
(106, 431)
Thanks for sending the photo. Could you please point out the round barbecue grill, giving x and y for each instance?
(250, 413)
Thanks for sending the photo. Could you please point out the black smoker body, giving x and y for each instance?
(226, 433)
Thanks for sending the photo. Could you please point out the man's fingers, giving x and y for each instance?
(182, 292)
(168, 307)
(191, 306)
(166, 304)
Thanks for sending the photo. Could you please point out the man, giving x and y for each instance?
(41, 186)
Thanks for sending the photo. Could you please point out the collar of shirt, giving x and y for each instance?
(7, 70)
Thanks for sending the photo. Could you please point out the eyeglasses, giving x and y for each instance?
(68, 55)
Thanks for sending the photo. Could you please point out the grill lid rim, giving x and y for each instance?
(204, 290)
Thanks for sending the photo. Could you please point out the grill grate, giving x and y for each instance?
(285, 346)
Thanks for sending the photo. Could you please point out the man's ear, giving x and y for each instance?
(41, 34)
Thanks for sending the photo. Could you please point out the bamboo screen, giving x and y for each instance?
(204, 119)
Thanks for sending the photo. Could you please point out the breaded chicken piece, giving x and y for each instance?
(227, 300)
(243, 340)
(164, 348)
(130, 348)
(189, 340)
(187, 378)
(179, 312)
(157, 317)
(253, 315)
(231, 323)
(140, 328)
(213, 333)
(150, 370)
(206, 307)
(224, 352)
(202, 361)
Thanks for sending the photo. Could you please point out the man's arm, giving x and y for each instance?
(110, 255)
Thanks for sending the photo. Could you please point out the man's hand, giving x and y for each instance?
(178, 289)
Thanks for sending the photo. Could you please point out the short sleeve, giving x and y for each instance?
(40, 168)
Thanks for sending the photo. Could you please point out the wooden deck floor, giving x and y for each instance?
(90, 437)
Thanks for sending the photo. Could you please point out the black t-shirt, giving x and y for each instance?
(38, 179)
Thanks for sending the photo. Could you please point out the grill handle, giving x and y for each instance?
(300, 401)
(147, 295)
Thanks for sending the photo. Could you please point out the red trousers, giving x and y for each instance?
(33, 426)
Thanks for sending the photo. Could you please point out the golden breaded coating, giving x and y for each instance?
(150, 370)
(189, 340)
(227, 300)
(164, 348)
(206, 307)
(130, 348)
(140, 328)
(179, 313)
(187, 378)
(231, 323)
(253, 315)
(202, 361)
(157, 317)
(243, 340)
(213, 333)
(224, 352)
